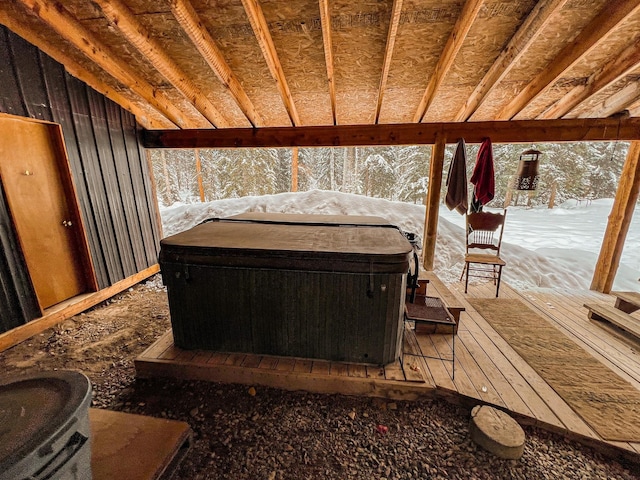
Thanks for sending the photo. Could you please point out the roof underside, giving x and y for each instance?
(238, 63)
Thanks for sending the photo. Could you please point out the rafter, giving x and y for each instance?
(186, 15)
(614, 12)
(57, 17)
(325, 20)
(622, 100)
(124, 20)
(451, 49)
(261, 31)
(620, 66)
(388, 53)
(509, 56)
(515, 131)
(634, 108)
(81, 73)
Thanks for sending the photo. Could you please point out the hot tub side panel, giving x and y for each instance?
(336, 316)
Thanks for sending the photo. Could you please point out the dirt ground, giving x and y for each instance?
(101, 342)
(241, 433)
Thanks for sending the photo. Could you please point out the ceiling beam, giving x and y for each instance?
(620, 66)
(121, 17)
(509, 56)
(327, 42)
(388, 53)
(454, 43)
(81, 73)
(519, 131)
(261, 31)
(186, 15)
(57, 17)
(612, 14)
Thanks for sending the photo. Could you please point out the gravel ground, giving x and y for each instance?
(243, 432)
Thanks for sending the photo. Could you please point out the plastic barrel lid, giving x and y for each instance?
(33, 409)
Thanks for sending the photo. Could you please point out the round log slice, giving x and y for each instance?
(497, 432)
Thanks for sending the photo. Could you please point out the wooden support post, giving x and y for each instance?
(294, 169)
(619, 220)
(433, 201)
(199, 173)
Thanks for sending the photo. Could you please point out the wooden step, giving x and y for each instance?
(601, 311)
(628, 302)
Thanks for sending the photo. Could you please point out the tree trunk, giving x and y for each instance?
(199, 174)
(332, 169)
(167, 184)
(294, 169)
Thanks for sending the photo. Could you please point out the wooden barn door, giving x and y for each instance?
(37, 182)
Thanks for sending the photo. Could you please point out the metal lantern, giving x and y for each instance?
(527, 176)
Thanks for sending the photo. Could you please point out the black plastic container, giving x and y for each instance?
(44, 427)
(312, 286)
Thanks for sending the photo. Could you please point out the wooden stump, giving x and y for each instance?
(496, 432)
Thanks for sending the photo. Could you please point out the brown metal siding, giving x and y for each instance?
(108, 165)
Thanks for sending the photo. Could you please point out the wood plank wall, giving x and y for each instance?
(108, 164)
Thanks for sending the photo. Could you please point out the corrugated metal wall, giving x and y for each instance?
(108, 164)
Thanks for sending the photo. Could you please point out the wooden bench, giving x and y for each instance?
(616, 316)
(432, 286)
(628, 302)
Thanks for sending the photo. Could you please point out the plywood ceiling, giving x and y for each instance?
(266, 63)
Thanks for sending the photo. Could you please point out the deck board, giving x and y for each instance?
(495, 376)
(359, 371)
(483, 359)
(285, 364)
(561, 411)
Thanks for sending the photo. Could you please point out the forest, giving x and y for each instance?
(581, 171)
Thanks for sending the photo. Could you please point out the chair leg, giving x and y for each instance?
(464, 269)
(499, 277)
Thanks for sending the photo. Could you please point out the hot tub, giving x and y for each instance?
(312, 286)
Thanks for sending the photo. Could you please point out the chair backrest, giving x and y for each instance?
(484, 230)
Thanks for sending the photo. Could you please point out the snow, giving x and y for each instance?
(543, 248)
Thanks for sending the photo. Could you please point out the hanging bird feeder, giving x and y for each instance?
(527, 176)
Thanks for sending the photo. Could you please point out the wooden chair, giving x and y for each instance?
(483, 241)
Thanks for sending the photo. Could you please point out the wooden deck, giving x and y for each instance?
(391, 381)
(487, 369)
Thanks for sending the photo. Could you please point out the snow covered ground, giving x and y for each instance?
(542, 247)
